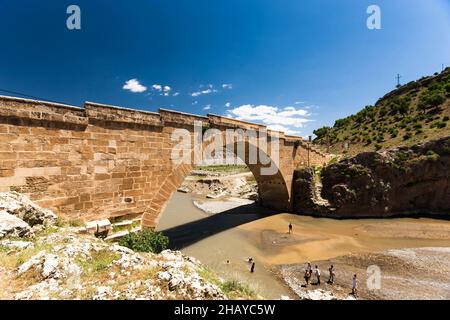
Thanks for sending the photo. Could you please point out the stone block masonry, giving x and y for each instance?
(103, 161)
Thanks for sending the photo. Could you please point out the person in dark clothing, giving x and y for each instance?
(290, 228)
(307, 276)
(252, 268)
(331, 277)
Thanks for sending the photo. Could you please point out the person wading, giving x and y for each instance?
(290, 228)
(355, 286)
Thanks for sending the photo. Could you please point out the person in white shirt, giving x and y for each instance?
(317, 272)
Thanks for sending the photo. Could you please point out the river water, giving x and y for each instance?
(225, 241)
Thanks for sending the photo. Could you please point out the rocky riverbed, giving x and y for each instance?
(404, 274)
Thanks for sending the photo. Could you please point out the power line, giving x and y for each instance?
(29, 96)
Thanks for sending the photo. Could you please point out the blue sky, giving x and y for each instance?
(296, 65)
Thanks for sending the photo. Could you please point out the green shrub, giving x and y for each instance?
(445, 119)
(439, 124)
(145, 241)
(407, 136)
(447, 87)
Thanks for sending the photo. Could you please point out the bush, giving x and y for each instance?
(407, 136)
(321, 132)
(145, 241)
(436, 100)
(439, 124)
(447, 87)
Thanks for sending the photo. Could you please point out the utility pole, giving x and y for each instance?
(309, 146)
(398, 79)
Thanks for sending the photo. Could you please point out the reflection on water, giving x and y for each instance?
(254, 232)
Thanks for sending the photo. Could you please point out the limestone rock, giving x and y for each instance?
(22, 207)
(16, 245)
(11, 225)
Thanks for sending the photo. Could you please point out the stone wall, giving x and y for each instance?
(103, 161)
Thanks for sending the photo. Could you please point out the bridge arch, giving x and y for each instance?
(273, 190)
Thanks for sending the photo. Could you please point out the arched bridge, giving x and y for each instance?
(104, 161)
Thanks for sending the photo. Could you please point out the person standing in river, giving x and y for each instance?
(252, 268)
(290, 228)
(355, 286)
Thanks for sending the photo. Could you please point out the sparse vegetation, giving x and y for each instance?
(224, 168)
(233, 288)
(419, 111)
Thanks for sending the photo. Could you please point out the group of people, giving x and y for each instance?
(309, 273)
(332, 274)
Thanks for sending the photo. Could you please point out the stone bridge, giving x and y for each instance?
(103, 161)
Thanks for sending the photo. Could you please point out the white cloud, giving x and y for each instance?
(157, 87)
(199, 93)
(288, 119)
(167, 88)
(207, 107)
(133, 85)
(227, 86)
(176, 94)
(228, 104)
(194, 103)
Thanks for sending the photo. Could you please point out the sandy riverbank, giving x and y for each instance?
(342, 242)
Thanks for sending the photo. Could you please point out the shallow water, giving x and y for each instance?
(261, 234)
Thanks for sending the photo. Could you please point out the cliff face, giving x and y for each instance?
(400, 181)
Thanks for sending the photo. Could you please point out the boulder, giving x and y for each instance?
(22, 207)
(13, 226)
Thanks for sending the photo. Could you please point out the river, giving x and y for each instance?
(225, 241)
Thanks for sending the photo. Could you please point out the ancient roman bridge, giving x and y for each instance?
(103, 161)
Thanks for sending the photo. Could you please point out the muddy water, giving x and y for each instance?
(265, 238)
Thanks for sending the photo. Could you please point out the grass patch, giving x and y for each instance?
(224, 168)
(99, 261)
(233, 289)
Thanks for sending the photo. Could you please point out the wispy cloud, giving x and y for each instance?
(133, 85)
(202, 92)
(288, 119)
(228, 104)
(227, 86)
(207, 107)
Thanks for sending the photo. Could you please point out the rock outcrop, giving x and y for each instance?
(22, 207)
(55, 262)
(400, 181)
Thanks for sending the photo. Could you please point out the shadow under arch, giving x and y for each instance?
(272, 189)
(189, 233)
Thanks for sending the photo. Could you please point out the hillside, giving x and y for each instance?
(416, 112)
